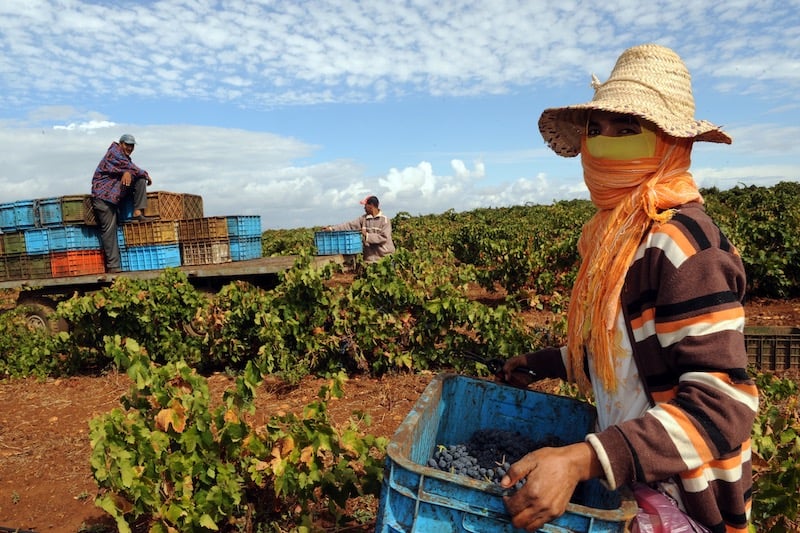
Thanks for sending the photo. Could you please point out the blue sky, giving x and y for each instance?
(294, 111)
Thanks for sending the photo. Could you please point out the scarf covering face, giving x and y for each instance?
(630, 197)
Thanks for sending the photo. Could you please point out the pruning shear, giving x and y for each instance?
(495, 365)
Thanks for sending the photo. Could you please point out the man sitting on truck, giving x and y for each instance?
(115, 178)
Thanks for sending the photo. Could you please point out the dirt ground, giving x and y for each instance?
(46, 483)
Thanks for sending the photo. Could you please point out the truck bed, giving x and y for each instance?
(255, 270)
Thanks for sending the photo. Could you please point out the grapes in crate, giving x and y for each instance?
(487, 455)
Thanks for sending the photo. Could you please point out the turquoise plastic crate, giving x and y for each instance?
(49, 212)
(36, 241)
(243, 248)
(67, 238)
(244, 226)
(151, 257)
(25, 214)
(420, 499)
(338, 242)
(8, 221)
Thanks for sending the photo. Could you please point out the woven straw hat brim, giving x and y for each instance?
(648, 81)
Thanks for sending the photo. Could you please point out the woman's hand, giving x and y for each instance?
(509, 374)
(551, 475)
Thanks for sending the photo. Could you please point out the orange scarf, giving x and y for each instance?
(630, 197)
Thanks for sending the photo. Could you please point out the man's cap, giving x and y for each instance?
(127, 138)
(648, 81)
(371, 200)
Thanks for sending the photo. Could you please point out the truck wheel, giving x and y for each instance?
(39, 313)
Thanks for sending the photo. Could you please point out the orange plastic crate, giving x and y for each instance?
(76, 263)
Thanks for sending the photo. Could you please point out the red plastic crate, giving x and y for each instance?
(76, 263)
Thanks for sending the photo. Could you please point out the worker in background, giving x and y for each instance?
(375, 228)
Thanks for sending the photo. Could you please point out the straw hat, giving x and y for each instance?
(648, 81)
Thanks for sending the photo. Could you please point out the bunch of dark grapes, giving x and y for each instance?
(487, 455)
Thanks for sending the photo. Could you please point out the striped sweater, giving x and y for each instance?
(682, 303)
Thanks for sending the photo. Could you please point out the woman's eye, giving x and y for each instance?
(592, 130)
(629, 130)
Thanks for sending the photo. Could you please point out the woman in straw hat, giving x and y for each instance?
(655, 323)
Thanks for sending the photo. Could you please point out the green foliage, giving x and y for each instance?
(776, 456)
(762, 223)
(25, 351)
(171, 457)
(156, 313)
(287, 242)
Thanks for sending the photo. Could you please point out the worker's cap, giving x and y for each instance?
(371, 200)
(127, 138)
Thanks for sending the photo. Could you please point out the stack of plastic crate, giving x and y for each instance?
(204, 241)
(37, 243)
(56, 237)
(244, 233)
(150, 245)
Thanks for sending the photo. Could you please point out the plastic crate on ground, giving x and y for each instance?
(244, 226)
(203, 229)
(338, 242)
(205, 252)
(24, 266)
(36, 241)
(14, 243)
(48, 212)
(76, 263)
(150, 232)
(77, 209)
(152, 257)
(772, 348)
(65, 238)
(244, 248)
(418, 498)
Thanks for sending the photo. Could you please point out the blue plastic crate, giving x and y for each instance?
(67, 238)
(418, 498)
(338, 242)
(25, 214)
(151, 257)
(49, 212)
(8, 220)
(243, 248)
(244, 226)
(36, 241)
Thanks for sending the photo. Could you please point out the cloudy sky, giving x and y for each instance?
(294, 111)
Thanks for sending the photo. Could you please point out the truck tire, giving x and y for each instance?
(39, 313)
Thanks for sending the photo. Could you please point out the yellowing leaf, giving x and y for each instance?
(307, 456)
(231, 417)
(174, 416)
